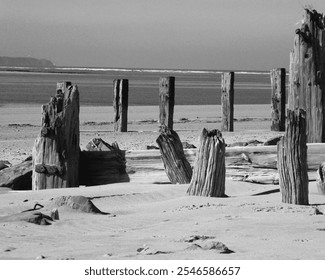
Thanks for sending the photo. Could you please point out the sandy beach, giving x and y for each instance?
(156, 221)
(20, 125)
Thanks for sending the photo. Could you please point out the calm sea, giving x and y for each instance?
(96, 86)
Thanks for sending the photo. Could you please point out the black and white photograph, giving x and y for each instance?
(173, 130)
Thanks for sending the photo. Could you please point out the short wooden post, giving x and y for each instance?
(177, 167)
(120, 103)
(209, 173)
(278, 99)
(227, 101)
(166, 101)
(292, 160)
(56, 149)
(307, 74)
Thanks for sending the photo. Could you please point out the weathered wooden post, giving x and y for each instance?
(177, 167)
(307, 74)
(209, 173)
(227, 101)
(166, 101)
(278, 99)
(320, 182)
(56, 149)
(120, 103)
(292, 160)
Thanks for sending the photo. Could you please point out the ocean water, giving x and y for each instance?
(192, 87)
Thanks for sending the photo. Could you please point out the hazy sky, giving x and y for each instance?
(199, 34)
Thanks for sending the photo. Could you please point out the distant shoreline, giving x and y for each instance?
(193, 87)
(96, 70)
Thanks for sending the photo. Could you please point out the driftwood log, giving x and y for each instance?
(227, 101)
(307, 74)
(120, 104)
(166, 101)
(278, 99)
(209, 173)
(56, 150)
(177, 167)
(292, 160)
(17, 177)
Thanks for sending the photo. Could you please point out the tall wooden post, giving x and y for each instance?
(209, 175)
(227, 101)
(166, 101)
(56, 149)
(307, 74)
(120, 103)
(278, 99)
(292, 160)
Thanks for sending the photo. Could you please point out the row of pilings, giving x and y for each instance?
(167, 101)
(56, 150)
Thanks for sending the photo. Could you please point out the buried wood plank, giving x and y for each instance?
(263, 162)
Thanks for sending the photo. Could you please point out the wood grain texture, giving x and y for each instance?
(209, 173)
(307, 74)
(292, 160)
(56, 149)
(166, 101)
(120, 104)
(177, 167)
(227, 101)
(278, 99)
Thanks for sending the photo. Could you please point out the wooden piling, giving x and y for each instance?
(278, 99)
(209, 173)
(177, 167)
(292, 160)
(227, 101)
(56, 149)
(307, 74)
(166, 101)
(120, 103)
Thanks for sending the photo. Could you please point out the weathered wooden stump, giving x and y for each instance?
(120, 103)
(227, 101)
(292, 160)
(166, 101)
(56, 149)
(209, 173)
(307, 74)
(321, 178)
(278, 99)
(177, 167)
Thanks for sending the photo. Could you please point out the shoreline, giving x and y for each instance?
(14, 113)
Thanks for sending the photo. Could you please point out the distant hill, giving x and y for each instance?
(25, 62)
